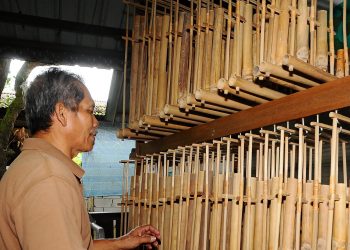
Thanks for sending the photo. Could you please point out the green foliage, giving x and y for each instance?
(6, 100)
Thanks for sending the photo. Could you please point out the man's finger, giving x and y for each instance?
(147, 239)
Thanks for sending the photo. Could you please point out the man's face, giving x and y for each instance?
(83, 125)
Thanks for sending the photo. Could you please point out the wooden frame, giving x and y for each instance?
(326, 97)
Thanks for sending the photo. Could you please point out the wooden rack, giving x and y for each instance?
(326, 97)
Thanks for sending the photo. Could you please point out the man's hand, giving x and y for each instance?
(147, 235)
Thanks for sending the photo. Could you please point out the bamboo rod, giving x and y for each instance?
(254, 88)
(223, 85)
(207, 96)
(345, 40)
(162, 85)
(340, 70)
(331, 38)
(299, 65)
(247, 65)
(190, 100)
(322, 43)
(169, 109)
(279, 72)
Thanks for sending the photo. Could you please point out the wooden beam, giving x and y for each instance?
(58, 24)
(302, 104)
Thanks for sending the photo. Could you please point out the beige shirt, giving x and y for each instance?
(41, 201)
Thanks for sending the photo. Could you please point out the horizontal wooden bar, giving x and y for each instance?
(326, 97)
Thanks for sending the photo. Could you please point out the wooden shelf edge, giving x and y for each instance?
(326, 97)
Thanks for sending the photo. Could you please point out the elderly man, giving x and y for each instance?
(41, 202)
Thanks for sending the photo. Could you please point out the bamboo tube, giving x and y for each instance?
(199, 80)
(289, 214)
(238, 40)
(279, 72)
(254, 88)
(299, 65)
(134, 67)
(224, 86)
(340, 70)
(331, 38)
(173, 214)
(162, 85)
(262, 34)
(247, 66)
(216, 49)
(306, 230)
(182, 170)
(184, 58)
(163, 198)
(208, 44)
(127, 133)
(282, 38)
(190, 100)
(153, 121)
(345, 40)
(278, 81)
(316, 188)
(141, 75)
(169, 109)
(312, 22)
(241, 191)
(171, 118)
(212, 98)
(273, 23)
(302, 50)
(292, 28)
(156, 63)
(323, 213)
(177, 52)
(226, 192)
(206, 206)
(208, 111)
(340, 226)
(332, 184)
(197, 204)
(228, 42)
(216, 209)
(168, 118)
(322, 44)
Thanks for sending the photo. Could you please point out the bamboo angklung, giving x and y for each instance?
(206, 204)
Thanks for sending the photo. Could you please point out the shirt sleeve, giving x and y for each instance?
(49, 217)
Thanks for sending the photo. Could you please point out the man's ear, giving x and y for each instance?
(61, 113)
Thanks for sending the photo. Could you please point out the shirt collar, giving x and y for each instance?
(41, 144)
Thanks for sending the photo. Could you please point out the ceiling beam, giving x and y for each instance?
(54, 53)
(57, 24)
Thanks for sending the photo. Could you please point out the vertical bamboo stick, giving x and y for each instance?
(316, 189)
(206, 205)
(332, 184)
(312, 32)
(162, 85)
(292, 28)
(208, 48)
(186, 44)
(134, 68)
(340, 70)
(282, 39)
(216, 49)
(302, 50)
(156, 63)
(228, 40)
(262, 34)
(247, 67)
(331, 38)
(345, 40)
(322, 43)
